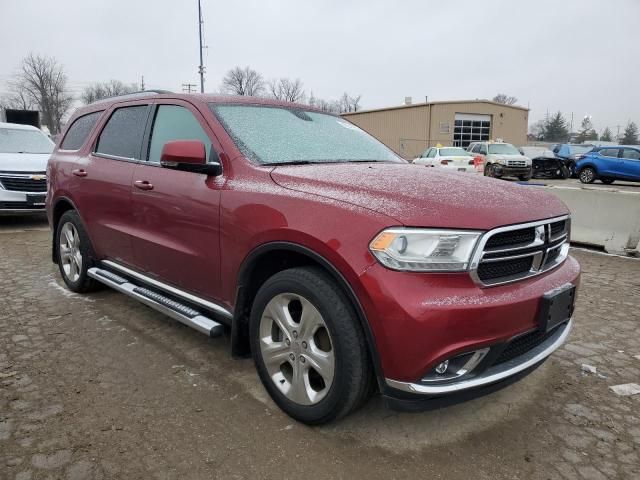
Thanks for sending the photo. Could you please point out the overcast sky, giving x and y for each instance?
(579, 56)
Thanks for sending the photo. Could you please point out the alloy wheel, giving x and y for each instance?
(70, 255)
(296, 348)
(587, 175)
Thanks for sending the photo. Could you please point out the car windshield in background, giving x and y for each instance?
(580, 149)
(503, 149)
(275, 135)
(13, 140)
(453, 152)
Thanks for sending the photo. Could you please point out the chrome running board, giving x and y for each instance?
(152, 282)
(176, 310)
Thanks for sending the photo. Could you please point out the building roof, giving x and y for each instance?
(445, 102)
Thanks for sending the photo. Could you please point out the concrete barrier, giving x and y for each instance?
(604, 217)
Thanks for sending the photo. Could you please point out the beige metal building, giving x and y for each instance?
(410, 129)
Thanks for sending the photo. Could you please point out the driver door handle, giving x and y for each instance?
(79, 172)
(143, 185)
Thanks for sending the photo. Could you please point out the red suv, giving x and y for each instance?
(338, 265)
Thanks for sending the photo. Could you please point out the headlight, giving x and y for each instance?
(424, 250)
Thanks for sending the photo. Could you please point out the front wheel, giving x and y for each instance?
(587, 175)
(571, 166)
(308, 346)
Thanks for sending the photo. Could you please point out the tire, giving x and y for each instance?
(74, 253)
(524, 178)
(489, 171)
(607, 181)
(571, 166)
(316, 327)
(587, 175)
(564, 173)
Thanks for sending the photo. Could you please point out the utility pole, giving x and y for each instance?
(142, 84)
(201, 67)
(618, 133)
(189, 87)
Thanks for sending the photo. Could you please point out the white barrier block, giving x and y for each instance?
(605, 217)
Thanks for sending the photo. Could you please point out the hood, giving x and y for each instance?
(23, 162)
(423, 197)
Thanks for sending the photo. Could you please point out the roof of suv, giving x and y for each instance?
(191, 97)
(18, 126)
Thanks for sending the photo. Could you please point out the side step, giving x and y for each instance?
(176, 310)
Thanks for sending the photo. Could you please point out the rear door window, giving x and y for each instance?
(174, 122)
(631, 154)
(122, 135)
(610, 152)
(79, 131)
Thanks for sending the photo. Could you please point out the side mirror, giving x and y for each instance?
(189, 156)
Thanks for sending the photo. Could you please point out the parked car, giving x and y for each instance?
(339, 266)
(544, 163)
(609, 164)
(452, 158)
(570, 152)
(24, 151)
(502, 160)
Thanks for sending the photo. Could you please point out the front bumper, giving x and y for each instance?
(508, 171)
(16, 203)
(495, 373)
(420, 320)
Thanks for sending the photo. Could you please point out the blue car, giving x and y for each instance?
(570, 152)
(609, 164)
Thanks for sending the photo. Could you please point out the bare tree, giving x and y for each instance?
(504, 99)
(349, 103)
(42, 83)
(101, 90)
(17, 98)
(287, 90)
(243, 81)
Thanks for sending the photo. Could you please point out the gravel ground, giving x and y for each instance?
(100, 386)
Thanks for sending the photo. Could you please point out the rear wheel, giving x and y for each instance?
(74, 253)
(587, 175)
(308, 346)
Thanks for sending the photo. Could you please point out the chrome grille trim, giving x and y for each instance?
(539, 250)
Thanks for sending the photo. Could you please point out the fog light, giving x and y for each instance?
(455, 367)
(442, 367)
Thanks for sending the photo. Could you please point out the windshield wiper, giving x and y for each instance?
(293, 162)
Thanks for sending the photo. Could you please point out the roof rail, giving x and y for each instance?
(141, 93)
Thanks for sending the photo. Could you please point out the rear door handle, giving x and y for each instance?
(79, 172)
(143, 185)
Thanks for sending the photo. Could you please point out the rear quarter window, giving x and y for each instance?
(79, 131)
(122, 135)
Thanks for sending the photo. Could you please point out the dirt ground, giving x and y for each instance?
(100, 386)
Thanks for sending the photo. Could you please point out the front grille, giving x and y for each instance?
(558, 227)
(24, 184)
(516, 163)
(505, 268)
(19, 206)
(512, 237)
(522, 344)
(513, 253)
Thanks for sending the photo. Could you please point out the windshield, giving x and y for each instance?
(454, 152)
(580, 149)
(276, 135)
(503, 149)
(14, 140)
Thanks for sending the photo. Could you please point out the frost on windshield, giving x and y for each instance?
(278, 135)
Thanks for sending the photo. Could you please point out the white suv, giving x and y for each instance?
(24, 151)
(502, 160)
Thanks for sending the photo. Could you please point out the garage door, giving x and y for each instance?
(471, 127)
